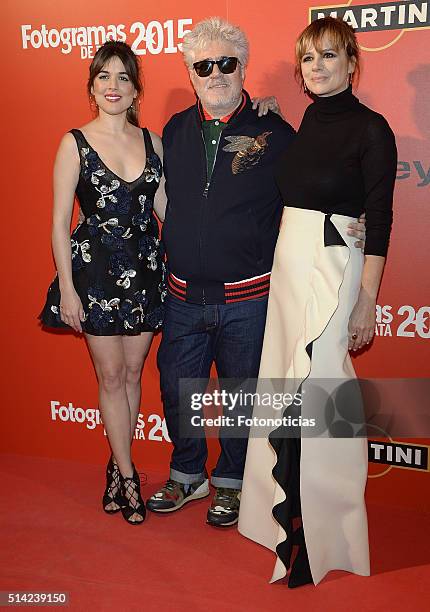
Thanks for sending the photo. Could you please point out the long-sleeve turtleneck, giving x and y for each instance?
(343, 160)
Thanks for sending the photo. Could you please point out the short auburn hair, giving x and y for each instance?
(341, 36)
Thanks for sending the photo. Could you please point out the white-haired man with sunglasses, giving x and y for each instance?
(220, 231)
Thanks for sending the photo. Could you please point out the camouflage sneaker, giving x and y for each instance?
(174, 495)
(224, 510)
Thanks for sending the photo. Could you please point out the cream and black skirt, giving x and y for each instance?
(314, 286)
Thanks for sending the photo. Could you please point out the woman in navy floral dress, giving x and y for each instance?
(110, 280)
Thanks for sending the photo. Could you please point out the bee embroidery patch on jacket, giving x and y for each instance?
(248, 150)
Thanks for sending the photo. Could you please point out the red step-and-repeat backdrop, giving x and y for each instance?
(49, 393)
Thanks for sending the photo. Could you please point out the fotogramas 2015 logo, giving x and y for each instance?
(153, 37)
(386, 21)
(405, 322)
(149, 427)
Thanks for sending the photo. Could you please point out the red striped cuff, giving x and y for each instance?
(247, 289)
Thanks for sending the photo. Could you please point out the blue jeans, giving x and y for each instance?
(194, 337)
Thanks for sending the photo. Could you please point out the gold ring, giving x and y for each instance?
(354, 336)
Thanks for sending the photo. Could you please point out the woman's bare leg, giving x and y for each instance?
(135, 350)
(118, 361)
(107, 353)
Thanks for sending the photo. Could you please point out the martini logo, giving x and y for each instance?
(398, 455)
(384, 22)
(373, 17)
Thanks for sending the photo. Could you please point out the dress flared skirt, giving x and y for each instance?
(314, 287)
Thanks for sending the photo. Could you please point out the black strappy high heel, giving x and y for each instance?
(112, 494)
(132, 499)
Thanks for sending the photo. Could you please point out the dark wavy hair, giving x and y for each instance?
(115, 48)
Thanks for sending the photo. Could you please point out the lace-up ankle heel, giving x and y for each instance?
(133, 504)
(112, 494)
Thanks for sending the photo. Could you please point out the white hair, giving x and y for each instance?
(215, 29)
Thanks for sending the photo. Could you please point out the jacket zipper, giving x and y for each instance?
(206, 189)
(208, 182)
(205, 194)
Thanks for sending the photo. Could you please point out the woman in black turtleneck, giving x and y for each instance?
(322, 304)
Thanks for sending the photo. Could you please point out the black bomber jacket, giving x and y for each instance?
(224, 230)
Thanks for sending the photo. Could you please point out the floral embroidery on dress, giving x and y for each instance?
(155, 317)
(162, 287)
(127, 314)
(144, 217)
(116, 249)
(119, 202)
(153, 173)
(132, 314)
(106, 193)
(100, 308)
(162, 290)
(115, 239)
(148, 249)
(120, 265)
(90, 162)
(80, 254)
(114, 197)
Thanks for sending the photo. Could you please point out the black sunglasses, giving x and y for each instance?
(226, 65)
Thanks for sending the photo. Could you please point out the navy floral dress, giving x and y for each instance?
(117, 258)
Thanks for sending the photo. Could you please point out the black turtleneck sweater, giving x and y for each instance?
(343, 160)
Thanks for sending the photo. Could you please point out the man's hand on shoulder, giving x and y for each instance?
(265, 104)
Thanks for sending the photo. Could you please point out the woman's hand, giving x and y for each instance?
(71, 310)
(358, 230)
(361, 326)
(266, 104)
